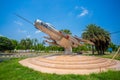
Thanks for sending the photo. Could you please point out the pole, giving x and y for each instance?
(116, 53)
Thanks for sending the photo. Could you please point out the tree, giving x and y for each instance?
(15, 43)
(26, 43)
(113, 46)
(40, 46)
(34, 43)
(22, 44)
(98, 36)
(6, 44)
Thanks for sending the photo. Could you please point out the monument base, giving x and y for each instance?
(68, 50)
(70, 64)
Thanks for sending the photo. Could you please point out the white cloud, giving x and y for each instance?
(37, 32)
(84, 12)
(22, 31)
(18, 23)
(28, 36)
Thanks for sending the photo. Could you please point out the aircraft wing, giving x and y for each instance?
(52, 42)
(83, 40)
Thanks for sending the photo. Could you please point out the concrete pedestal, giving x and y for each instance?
(68, 50)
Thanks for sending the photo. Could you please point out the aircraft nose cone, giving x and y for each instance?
(38, 21)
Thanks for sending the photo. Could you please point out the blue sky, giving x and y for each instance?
(63, 14)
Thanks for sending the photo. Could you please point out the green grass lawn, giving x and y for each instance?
(110, 56)
(12, 70)
(107, 55)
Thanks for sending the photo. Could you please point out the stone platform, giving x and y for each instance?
(70, 64)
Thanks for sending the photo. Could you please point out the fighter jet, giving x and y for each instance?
(56, 37)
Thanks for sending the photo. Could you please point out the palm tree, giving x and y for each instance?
(98, 36)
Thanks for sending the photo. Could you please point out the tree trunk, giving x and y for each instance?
(103, 52)
(99, 52)
(92, 50)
